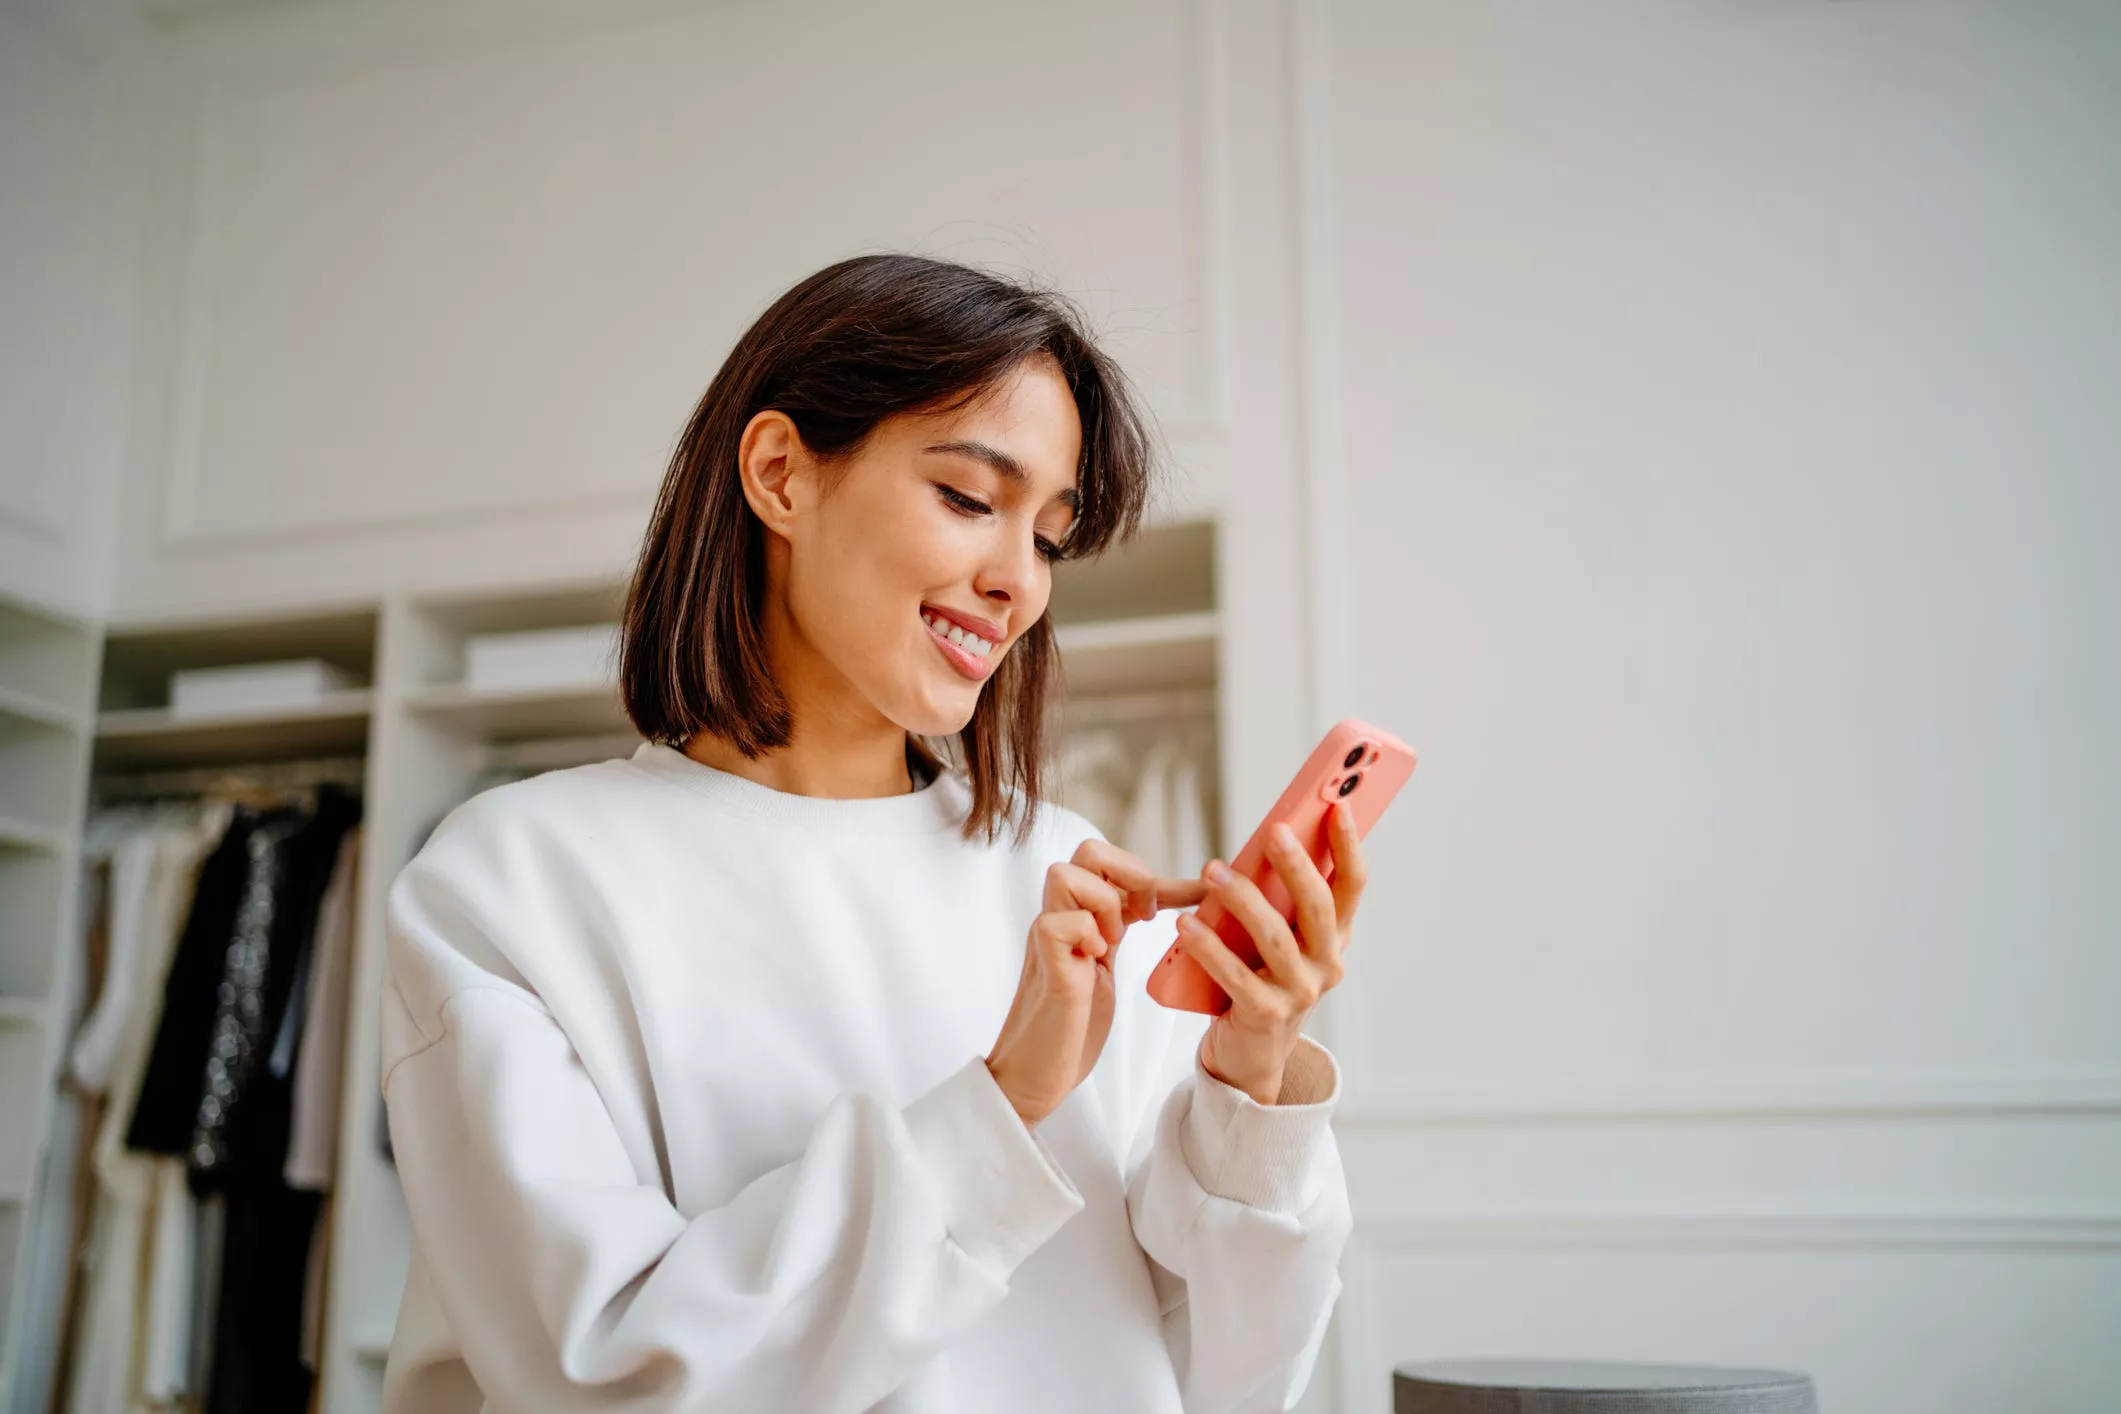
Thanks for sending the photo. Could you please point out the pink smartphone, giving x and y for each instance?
(1356, 762)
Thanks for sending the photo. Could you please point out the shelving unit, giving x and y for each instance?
(48, 666)
(1139, 635)
(140, 737)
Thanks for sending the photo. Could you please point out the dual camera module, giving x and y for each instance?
(1363, 753)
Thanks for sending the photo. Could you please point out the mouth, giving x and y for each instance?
(972, 656)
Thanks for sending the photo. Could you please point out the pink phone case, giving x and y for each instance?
(1377, 762)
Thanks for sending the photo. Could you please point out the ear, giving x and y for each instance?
(773, 466)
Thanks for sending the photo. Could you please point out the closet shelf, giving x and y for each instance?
(21, 1011)
(537, 712)
(23, 707)
(1172, 629)
(136, 737)
(27, 835)
(1170, 705)
(1154, 651)
(1167, 650)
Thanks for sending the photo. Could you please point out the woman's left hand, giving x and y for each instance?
(1249, 1044)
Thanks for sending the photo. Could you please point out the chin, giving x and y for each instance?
(939, 719)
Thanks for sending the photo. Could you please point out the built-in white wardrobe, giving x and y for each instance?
(47, 691)
(86, 718)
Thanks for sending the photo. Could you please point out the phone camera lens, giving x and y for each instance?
(1354, 755)
(1348, 786)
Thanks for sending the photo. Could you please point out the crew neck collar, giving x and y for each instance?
(935, 806)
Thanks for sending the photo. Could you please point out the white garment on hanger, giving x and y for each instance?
(1191, 843)
(96, 1043)
(165, 1310)
(47, 1238)
(1165, 826)
(1145, 832)
(136, 1202)
(1096, 777)
(313, 1139)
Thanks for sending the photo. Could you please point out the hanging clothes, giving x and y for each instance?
(1165, 825)
(1096, 777)
(240, 1145)
(52, 1240)
(216, 1101)
(167, 1106)
(313, 1146)
(319, 1070)
(109, 1355)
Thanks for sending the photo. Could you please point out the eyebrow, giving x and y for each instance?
(1010, 468)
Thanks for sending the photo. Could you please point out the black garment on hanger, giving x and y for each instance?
(245, 1124)
(168, 1104)
(257, 1360)
(241, 1006)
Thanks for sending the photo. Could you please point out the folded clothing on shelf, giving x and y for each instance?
(542, 658)
(253, 687)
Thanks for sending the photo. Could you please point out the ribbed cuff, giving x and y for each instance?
(1003, 1195)
(1265, 1156)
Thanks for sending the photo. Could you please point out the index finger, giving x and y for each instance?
(1180, 893)
(1146, 893)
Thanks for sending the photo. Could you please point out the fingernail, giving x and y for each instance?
(1285, 837)
(1218, 873)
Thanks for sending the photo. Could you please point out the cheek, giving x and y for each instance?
(866, 570)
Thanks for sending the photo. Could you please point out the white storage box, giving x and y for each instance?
(254, 687)
(551, 659)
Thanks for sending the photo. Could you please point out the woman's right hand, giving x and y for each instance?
(1063, 1009)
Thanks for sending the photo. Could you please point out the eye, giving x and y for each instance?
(964, 504)
(967, 506)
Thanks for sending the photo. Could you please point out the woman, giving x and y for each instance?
(727, 1076)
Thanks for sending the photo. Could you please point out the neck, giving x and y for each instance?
(841, 748)
(831, 768)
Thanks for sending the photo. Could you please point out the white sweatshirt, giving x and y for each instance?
(686, 1083)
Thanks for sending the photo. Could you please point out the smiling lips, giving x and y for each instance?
(967, 652)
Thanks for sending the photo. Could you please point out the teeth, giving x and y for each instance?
(970, 642)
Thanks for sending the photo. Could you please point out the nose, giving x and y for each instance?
(1010, 574)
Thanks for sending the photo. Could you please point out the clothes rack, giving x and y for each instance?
(290, 775)
(1103, 708)
(553, 753)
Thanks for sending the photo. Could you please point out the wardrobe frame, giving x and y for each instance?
(49, 662)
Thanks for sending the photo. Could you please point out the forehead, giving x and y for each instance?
(1028, 417)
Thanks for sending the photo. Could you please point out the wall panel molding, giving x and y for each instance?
(36, 528)
(1720, 1232)
(290, 52)
(1719, 1098)
(1363, 1363)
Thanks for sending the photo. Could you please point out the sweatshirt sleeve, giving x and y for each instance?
(1241, 1207)
(570, 1282)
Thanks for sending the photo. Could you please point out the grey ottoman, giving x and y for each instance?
(1595, 1387)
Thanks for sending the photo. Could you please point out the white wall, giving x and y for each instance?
(65, 264)
(1730, 409)
(440, 284)
(1692, 424)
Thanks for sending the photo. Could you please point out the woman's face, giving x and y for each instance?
(903, 584)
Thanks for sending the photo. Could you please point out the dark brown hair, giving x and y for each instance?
(856, 343)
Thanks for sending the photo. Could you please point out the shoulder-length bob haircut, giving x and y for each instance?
(856, 343)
